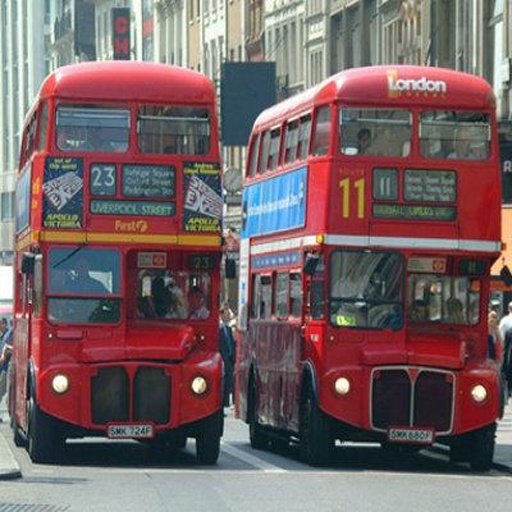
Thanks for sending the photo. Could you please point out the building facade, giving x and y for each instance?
(308, 40)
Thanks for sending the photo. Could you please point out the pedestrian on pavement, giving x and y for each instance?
(505, 327)
(495, 339)
(227, 351)
(5, 355)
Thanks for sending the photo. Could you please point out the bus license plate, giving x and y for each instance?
(411, 435)
(130, 431)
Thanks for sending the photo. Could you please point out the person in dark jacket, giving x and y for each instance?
(227, 351)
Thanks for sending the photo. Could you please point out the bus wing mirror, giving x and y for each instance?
(27, 263)
(230, 268)
(311, 264)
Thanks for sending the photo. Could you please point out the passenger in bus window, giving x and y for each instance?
(364, 140)
(197, 304)
(178, 307)
(419, 311)
(454, 311)
(64, 138)
(161, 297)
(83, 282)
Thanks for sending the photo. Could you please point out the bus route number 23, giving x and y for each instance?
(352, 190)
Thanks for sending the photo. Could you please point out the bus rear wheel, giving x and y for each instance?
(316, 441)
(208, 439)
(44, 442)
(482, 448)
(256, 436)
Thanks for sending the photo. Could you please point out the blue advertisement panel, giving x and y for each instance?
(23, 199)
(277, 204)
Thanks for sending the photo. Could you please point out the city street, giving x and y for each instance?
(125, 476)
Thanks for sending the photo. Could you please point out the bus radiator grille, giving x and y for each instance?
(151, 395)
(110, 400)
(433, 392)
(412, 397)
(391, 400)
(112, 392)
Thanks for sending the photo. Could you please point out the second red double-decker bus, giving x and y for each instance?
(117, 261)
(371, 220)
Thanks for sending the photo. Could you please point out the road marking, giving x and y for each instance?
(258, 463)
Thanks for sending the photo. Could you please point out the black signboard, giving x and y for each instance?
(63, 193)
(406, 211)
(149, 181)
(149, 208)
(430, 186)
(121, 33)
(506, 170)
(201, 261)
(103, 179)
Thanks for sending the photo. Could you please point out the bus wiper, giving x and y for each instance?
(70, 255)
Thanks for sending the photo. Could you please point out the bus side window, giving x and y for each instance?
(38, 286)
(256, 296)
(254, 152)
(266, 297)
(43, 127)
(265, 151)
(275, 144)
(322, 131)
(281, 292)
(295, 294)
(304, 135)
(291, 141)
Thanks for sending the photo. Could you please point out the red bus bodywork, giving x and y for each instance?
(126, 375)
(314, 375)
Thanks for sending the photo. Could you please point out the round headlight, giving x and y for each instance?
(342, 386)
(199, 385)
(60, 383)
(478, 393)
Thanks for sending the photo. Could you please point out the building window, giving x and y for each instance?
(7, 205)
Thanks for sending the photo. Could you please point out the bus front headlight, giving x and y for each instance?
(199, 385)
(478, 393)
(60, 383)
(342, 386)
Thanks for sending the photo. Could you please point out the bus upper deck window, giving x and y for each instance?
(173, 130)
(454, 135)
(387, 132)
(322, 131)
(92, 128)
(304, 137)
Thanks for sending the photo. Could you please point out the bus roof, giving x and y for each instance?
(127, 81)
(389, 86)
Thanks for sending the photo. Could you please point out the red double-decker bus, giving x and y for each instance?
(117, 261)
(371, 218)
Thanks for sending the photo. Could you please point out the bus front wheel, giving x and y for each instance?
(208, 439)
(316, 441)
(44, 441)
(482, 448)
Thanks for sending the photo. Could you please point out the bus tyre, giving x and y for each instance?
(44, 442)
(256, 436)
(208, 439)
(316, 442)
(482, 448)
(17, 438)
